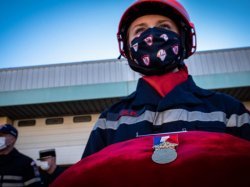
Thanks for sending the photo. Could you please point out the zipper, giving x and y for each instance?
(155, 118)
(164, 133)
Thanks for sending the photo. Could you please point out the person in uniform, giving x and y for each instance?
(156, 36)
(140, 141)
(16, 169)
(49, 169)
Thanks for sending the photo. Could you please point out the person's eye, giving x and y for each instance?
(165, 26)
(138, 31)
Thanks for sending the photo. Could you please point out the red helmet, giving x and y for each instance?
(169, 8)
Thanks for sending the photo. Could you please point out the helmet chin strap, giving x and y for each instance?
(119, 57)
(183, 31)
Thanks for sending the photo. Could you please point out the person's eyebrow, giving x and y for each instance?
(138, 25)
(144, 24)
(164, 20)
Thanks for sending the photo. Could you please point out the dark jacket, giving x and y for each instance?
(17, 169)
(186, 107)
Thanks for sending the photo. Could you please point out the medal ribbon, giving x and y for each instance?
(164, 142)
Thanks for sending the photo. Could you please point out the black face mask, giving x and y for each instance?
(156, 51)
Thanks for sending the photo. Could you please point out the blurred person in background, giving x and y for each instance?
(49, 169)
(16, 169)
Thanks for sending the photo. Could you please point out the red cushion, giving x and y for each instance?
(204, 159)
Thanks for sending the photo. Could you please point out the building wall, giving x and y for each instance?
(69, 139)
(247, 104)
(4, 120)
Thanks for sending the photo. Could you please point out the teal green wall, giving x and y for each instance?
(226, 80)
(109, 90)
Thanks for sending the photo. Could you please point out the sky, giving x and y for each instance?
(38, 32)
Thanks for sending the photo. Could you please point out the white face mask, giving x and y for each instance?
(2, 143)
(44, 165)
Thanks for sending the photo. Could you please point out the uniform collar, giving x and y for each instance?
(144, 95)
(165, 83)
(186, 93)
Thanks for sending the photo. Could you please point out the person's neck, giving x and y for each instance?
(7, 150)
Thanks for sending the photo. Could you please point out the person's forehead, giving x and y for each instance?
(46, 158)
(150, 18)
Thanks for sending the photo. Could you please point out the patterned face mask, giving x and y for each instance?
(156, 51)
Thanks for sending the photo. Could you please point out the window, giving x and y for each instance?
(54, 121)
(26, 123)
(80, 119)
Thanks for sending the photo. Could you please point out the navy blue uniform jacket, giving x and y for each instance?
(17, 169)
(186, 107)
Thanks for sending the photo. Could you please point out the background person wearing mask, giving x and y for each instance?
(16, 169)
(49, 169)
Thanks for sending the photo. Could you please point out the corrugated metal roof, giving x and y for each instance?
(219, 61)
(106, 71)
(71, 74)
